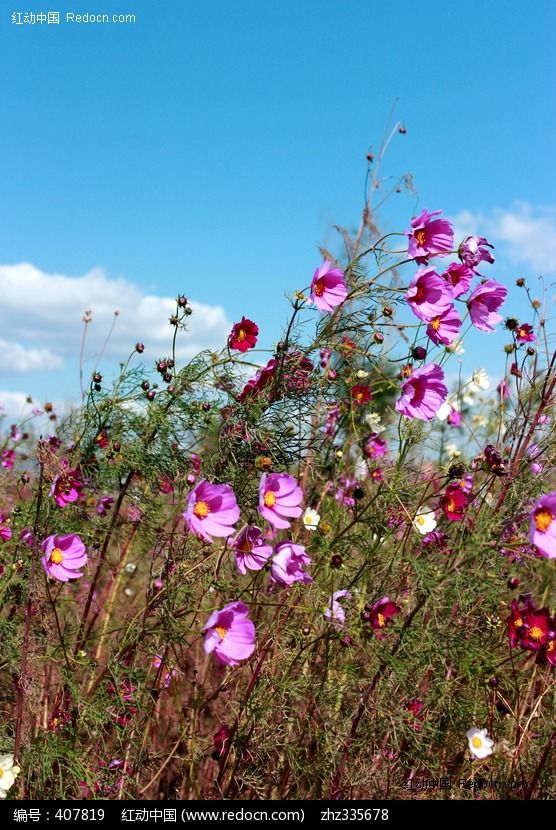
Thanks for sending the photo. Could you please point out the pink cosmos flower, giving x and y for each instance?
(474, 250)
(458, 277)
(428, 295)
(63, 556)
(375, 446)
(503, 389)
(524, 333)
(250, 551)
(8, 459)
(211, 510)
(288, 563)
(423, 393)
(280, 497)
(444, 328)
(328, 287)
(483, 304)
(429, 236)
(5, 532)
(243, 335)
(103, 505)
(334, 610)
(454, 418)
(542, 530)
(66, 487)
(230, 634)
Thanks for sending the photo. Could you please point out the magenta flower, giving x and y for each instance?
(524, 333)
(63, 556)
(428, 295)
(444, 328)
(454, 503)
(280, 497)
(454, 418)
(250, 551)
(423, 393)
(328, 287)
(211, 510)
(375, 446)
(67, 486)
(8, 459)
(503, 389)
(458, 277)
(474, 250)
(483, 304)
(230, 634)
(5, 532)
(334, 610)
(381, 614)
(429, 236)
(288, 563)
(542, 530)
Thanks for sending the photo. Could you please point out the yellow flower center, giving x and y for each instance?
(1, 772)
(221, 631)
(241, 335)
(201, 509)
(476, 742)
(381, 619)
(543, 520)
(451, 506)
(551, 646)
(536, 633)
(319, 287)
(420, 520)
(435, 323)
(56, 556)
(269, 499)
(421, 236)
(518, 622)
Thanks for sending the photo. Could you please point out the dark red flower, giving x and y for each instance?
(537, 629)
(243, 335)
(454, 503)
(361, 394)
(381, 614)
(219, 741)
(520, 610)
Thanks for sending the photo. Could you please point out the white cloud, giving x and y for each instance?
(16, 359)
(525, 234)
(44, 312)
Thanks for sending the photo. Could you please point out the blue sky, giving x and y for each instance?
(208, 148)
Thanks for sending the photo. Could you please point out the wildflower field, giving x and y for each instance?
(321, 573)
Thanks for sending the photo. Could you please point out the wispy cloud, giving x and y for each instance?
(41, 319)
(17, 359)
(525, 234)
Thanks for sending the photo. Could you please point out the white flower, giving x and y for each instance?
(310, 519)
(480, 420)
(373, 420)
(452, 451)
(424, 520)
(480, 379)
(480, 745)
(361, 470)
(444, 411)
(456, 347)
(362, 374)
(8, 773)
